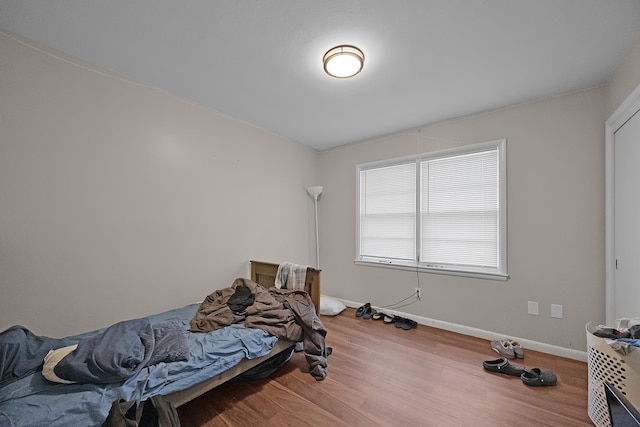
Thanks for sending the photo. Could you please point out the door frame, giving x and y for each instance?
(623, 113)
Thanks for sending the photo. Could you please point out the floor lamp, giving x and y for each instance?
(315, 192)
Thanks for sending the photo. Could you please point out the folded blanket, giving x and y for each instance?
(291, 276)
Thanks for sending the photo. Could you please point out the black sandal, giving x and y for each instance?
(368, 312)
(360, 311)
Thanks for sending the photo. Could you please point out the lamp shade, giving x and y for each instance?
(314, 191)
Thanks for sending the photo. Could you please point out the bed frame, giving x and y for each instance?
(264, 274)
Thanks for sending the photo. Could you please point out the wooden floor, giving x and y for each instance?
(383, 376)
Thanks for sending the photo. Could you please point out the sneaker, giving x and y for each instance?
(503, 348)
(517, 348)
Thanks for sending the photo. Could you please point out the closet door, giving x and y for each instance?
(627, 218)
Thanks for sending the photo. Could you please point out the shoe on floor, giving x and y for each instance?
(362, 308)
(503, 366)
(368, 312)
(404, 323)
(397, 320)
(537, 377)
(503, 349)
(378, 315)
(409, 324)
(517, 348)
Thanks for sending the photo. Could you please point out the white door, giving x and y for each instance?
(626, 148)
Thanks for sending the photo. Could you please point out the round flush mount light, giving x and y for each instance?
(343, 61)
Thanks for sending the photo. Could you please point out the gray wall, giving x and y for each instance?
(555, 169)
(556, 214)
(117, 200)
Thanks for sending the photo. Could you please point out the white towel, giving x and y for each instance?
(291, 276)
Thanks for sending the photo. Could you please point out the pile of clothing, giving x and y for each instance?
(284, 313)
(624, 337)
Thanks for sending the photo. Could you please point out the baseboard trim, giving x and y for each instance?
(481, 333)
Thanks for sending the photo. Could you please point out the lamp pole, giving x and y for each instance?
(314, 192)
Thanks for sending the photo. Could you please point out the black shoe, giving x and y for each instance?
(368, 313)
(398, 321)
(404, 323)
(409, 324)
(537, 377)
(360, 311)
(503, 366)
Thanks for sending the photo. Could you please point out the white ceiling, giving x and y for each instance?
(260, 60)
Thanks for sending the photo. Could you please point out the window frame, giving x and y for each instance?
(499, 273)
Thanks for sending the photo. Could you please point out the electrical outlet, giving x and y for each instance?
(419, 294)
(533, 308)
(556, 311)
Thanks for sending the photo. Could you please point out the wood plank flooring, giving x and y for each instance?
(380, 375)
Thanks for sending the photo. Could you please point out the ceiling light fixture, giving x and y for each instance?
(343, 61)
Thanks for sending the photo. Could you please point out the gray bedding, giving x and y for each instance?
(22, 352)
(122, 350)
(32, 400)
(113, 355)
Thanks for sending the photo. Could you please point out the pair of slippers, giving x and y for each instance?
(365, 311)
(535, 377)
(404, 323)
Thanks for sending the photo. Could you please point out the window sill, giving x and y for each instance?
(473, 274)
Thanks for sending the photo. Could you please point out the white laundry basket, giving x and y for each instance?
(607, 365)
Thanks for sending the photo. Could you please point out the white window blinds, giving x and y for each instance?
(441, 211)
(388, 213)
(459, 210)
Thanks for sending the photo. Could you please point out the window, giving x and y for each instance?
(441, 212)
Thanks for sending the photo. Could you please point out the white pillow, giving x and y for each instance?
(330, 306)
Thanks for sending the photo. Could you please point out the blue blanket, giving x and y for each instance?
(22, 352)
(31, 400)
(113, 355)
